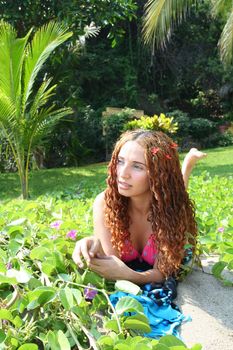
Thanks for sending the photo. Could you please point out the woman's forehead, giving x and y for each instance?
(132, 151)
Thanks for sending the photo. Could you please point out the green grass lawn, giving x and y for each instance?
(218, 162)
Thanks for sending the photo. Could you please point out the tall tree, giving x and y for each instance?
(161, 16)
(26, 117)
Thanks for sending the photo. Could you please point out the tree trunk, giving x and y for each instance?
(24, 186)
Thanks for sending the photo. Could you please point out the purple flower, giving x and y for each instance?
(56, 224)
(89, 294)
(72, 234)
(53, 237)
(221, 229)
(9, 266)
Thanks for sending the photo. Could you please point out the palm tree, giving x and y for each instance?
(25, 115)
(162, 15)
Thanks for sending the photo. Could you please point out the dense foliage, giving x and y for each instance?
(45, 300)
(116, 69)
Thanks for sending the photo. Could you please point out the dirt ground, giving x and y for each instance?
(210, 306)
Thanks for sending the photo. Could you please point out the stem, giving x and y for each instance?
(106, 296)
(14, 297)
(74, 337)
(92, 341)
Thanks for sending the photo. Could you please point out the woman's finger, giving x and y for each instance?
(77, 255)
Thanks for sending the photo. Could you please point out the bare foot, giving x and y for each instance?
(193, 156)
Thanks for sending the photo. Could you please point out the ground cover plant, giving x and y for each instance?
(46, 301)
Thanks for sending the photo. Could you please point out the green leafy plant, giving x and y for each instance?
(46, 302)
(161, 123)
(26, 117)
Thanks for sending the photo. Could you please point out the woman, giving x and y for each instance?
(144, 215)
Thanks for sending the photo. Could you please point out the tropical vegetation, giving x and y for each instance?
(45, 299)
(26, 116)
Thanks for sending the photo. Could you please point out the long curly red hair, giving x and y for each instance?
(171, 212)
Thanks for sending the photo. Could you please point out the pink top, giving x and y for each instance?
(148, 254)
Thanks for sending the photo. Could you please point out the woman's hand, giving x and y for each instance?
(110, 267)
(87, 249)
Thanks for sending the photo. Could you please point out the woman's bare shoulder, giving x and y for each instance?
(99, 200)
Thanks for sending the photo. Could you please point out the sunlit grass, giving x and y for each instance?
(49, 181)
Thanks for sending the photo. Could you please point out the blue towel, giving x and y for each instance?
(157, 300)
(163, 319)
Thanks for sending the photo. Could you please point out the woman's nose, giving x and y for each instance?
(124, 172)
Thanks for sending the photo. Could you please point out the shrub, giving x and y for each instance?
(113, 126)
(201, 128)
(161, 123)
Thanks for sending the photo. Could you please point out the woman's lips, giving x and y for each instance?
(124, 185)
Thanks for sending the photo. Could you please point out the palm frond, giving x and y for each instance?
(160, 17)
(46, 120)
(226, 41)
(45, 40)
(42, 96)
(11, 60)
(220, 7)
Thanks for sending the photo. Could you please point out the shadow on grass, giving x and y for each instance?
(53, 181)
(223, 170)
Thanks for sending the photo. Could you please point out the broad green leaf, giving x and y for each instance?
(17, 321)
(40, 296)
(230, 265)
(66, 297)
(122, 346)
(196, 347)
(6, 315)
(106, 340)
(8, 280)
(162, 347)
(112, 325)
(140, 317)
(128, 304)
(14, 247)
(137, 324)
(48, 267)
(127, 287)
(29, 346)
(171, 340)
(142, 347)
(17, 222)
(59, 262)
(2, 336)
(52, 340)
(14, 342)
(63, 341)
(218, 268)
(178, 347)
(77, 295)
(39, 253)
(92, 278)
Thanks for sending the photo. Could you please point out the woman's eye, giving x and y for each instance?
(136, 166)
(120, 161)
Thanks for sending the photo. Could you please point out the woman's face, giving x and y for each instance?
(132, 173)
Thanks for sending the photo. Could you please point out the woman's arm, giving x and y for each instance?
(189, 162)
(100, 230)
(112, 268)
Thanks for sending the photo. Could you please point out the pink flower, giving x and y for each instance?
(221, 229)
(56, 224)
(72, 234)
(173, 145)
(168, 156)
(89, 294)
(154, 150)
